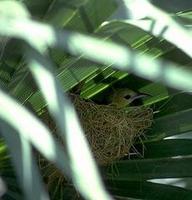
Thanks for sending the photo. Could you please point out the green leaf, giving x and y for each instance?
(172, 117)
(168, 148)
(30, 128)
(144, 169)
(173, 6)
(154, 24)
(110, 77)
(147, 190)
(172, 112)
(25, 164)
(172, 124)
(176, 103)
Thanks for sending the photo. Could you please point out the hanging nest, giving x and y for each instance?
(111, 131)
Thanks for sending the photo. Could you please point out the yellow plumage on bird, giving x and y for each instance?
(123, 97)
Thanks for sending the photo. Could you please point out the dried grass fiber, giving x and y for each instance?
(111, 131)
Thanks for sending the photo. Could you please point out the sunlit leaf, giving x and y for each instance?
(158, 23)
(66, 117)
(25, 164)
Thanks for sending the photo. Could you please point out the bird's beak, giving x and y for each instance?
(138, 96)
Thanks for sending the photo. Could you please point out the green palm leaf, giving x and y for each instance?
(102, 44)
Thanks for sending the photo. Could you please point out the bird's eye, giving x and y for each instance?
(127, 96)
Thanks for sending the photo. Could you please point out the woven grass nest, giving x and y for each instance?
(111, 131)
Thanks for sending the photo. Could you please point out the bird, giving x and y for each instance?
(123, 97)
